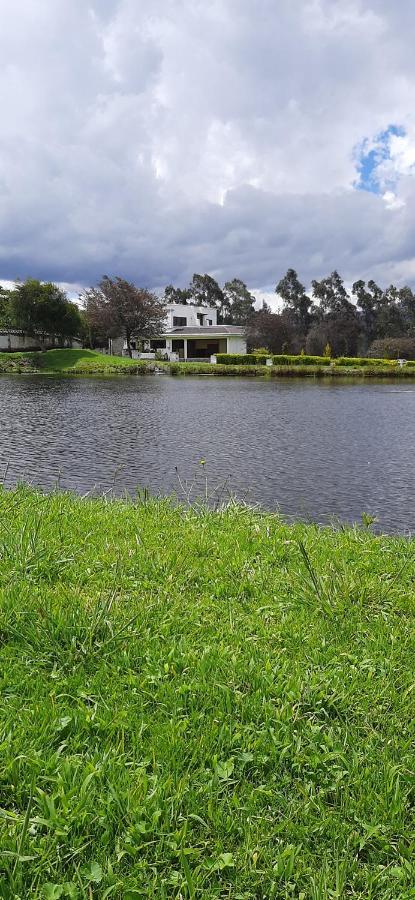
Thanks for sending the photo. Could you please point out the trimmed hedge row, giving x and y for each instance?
(285, 359)
(238, 359)
(362, 361)
(254, 359)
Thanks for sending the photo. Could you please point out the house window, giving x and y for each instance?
(209, 321)
(199, 317)
(179, 321)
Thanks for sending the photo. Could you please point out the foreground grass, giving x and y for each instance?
(89, 362)
(202, 704)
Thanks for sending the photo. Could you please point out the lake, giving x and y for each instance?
(313, 450)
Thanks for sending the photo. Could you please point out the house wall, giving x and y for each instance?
(237, 344)
(189, 313)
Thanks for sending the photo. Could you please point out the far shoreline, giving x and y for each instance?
(81, 363)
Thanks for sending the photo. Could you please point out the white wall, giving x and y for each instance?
(189, 313)
(237, 344)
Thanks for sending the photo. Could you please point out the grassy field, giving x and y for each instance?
(89, 362)
(202, 704)
(69, 362)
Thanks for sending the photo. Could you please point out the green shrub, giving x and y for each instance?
(362, 361)
(238, 359)
(284, 359)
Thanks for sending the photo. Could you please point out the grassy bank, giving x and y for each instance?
(200, 704)
(89, 362)
(69, 362)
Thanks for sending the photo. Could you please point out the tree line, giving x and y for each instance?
(330, 320)
(327, 320)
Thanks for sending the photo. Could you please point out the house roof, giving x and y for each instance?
(202, 331)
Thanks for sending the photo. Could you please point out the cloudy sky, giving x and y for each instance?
(156, 138)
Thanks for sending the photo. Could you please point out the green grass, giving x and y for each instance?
(202, 704)
(69, 362)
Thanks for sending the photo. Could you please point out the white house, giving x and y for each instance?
(191, 333)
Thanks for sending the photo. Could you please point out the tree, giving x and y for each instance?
(333, 297)
(342, 334)
(273, 331)
(406, 306)
(389, 321)
(238, 305)
(393, 348)
(295, 300)
(26, 300)
(93, 334)
(6, 317)
(337, 320)
(120, 308)
(71, 322)
(44, 307)
(205, 291)
(368, 301)
(177, 295)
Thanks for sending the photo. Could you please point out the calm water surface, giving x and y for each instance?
(312, 450)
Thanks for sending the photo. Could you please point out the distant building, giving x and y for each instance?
(191, 333)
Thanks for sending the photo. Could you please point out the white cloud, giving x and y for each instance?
(336, 16)
(161, 138)
(402, 154)
(392, 201)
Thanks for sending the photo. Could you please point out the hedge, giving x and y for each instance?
(239, 359)
(285, 359)
(362, 361)
(300, 360)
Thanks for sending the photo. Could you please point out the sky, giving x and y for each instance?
(156, 138)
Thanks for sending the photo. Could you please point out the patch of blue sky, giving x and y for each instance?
(370, 154)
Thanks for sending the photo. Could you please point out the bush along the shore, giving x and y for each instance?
(357, 361)
(302, 359)
(239, 359)
(202, 704)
